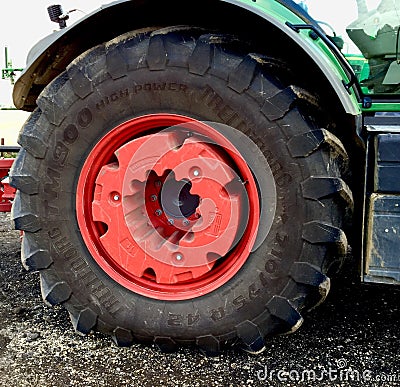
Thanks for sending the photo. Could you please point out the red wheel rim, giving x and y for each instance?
(167, 206)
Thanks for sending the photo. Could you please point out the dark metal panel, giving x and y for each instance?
(9, 148)
(387, 169)
(383, 248)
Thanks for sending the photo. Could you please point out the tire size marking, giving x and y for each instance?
(271, 271)
(101, 293)
(237, 303)
(274, 260)
(180, 320)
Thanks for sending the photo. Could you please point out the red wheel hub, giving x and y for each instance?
(167, 206)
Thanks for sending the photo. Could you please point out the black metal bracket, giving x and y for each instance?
(9, 149)
(367, 103)
(316, 33)
(397, 46)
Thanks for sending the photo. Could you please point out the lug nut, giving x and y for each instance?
(179, 257)
(158, 212)
(196, 172)
(153, 198)
(186, 222)
(171, 221)
(115, 196)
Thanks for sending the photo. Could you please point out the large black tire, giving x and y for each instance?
(223, 83)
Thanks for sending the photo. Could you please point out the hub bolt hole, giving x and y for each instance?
(195, 172)
(115, 197)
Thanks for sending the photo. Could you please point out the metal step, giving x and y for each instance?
(382, 217)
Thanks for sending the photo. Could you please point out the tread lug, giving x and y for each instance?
(251, 337)
(209, 345)
(83, 321)
(53, 107)
(307, 274)
(155, 61)
(24, 219)
(33, 258)
(122, 337)
(165, 344)
(316, 188)
(22, 173)
(302, 145)
(241, 78)
(200, 60)
(316, 232)
(54, 292)
(281, 308)
(80, 82)
(278, 105)
(33, 137)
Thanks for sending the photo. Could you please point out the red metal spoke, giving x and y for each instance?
(160, 209)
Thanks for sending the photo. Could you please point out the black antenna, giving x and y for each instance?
(56, 15)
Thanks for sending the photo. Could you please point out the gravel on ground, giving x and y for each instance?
(352, 339)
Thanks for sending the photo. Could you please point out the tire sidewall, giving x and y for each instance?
(206, 98)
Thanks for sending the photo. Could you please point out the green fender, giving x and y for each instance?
(50, 57)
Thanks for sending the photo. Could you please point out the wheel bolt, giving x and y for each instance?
(179, 257)
(196, 173)
(158, 212)
(171, 221)
(157, 183)
(116, 198)
(153, 198)
(186, 222)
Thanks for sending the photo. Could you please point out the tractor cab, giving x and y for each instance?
(370, 43)
(376, 33)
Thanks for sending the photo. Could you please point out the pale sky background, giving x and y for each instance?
(21, 26)
(26, 22)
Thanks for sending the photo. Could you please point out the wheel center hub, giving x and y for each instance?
(178, 212)
(176, 199)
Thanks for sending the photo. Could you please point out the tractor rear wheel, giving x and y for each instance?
(175, 188)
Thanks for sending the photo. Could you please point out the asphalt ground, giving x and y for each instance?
(352, 339)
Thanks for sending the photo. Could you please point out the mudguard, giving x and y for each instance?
(51, 56)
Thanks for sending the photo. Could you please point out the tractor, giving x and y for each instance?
(194, 176)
